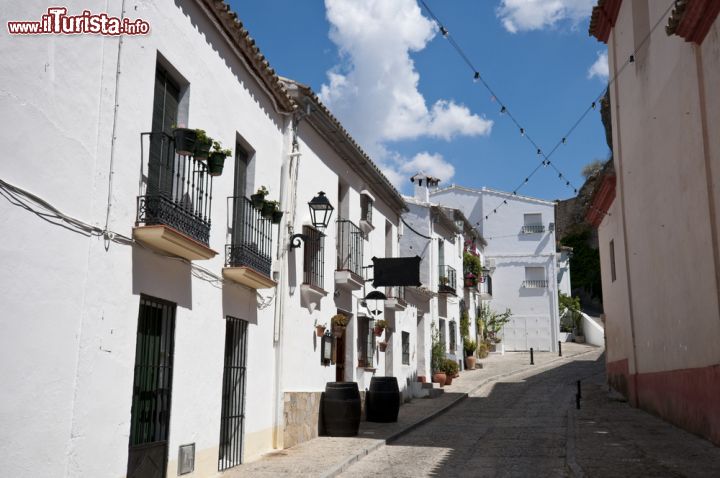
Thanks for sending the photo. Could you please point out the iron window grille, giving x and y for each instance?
(451, 332)
(366, 208)
(533, 229)
(448, 279)
(251, 238)
(442, 333)
(314, 258)
(366, 342)
(406, 348)
(175, 191)
(535, 284)
(232, 414)
(349, 247)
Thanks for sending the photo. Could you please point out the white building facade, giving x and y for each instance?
(520, 254)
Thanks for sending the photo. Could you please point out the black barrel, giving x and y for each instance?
(382, 401)
(341, 409)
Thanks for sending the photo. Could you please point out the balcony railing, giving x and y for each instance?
(251, 238)
(396, 292)
(535, 284)
(533, 229)
(447, 279)
(349, 247)
(175, 190)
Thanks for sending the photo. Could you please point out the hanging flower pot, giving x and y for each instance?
(379, 327)
(258, 199)
(382, 346)
(203, 143)
(470, 280)
(276, 217)
(268, 208)
(378, 331)
(319, 330)
(185, 139)
(216, 162)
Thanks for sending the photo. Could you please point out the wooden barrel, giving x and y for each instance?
(382, 401)
(341, 409)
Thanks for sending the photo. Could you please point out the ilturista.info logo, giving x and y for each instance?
(56, 21)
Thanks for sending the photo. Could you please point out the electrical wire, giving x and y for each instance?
(413, 230)
(30, 202)
(504, 109)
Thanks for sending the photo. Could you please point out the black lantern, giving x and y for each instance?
(320, 213)
(378, 300)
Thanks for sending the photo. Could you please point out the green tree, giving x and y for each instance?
(585, 263)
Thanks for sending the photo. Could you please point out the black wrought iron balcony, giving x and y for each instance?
(447, 279)
(535, 284)
(349, 247)
(251, 237)
(175, 199)
(395, 298)
(533, 229)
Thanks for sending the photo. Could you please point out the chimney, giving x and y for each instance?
(421, 188)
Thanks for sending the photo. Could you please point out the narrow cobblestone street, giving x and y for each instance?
(527, 425)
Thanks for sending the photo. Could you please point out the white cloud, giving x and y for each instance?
(600, 68)
(374, 89)
(526, 15)
(399, 169)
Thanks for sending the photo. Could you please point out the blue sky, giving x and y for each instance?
(409, 99)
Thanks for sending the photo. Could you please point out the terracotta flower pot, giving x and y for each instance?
(439, 377)
(470, 362)
(448, 379)
(319, 330)
(382, 346)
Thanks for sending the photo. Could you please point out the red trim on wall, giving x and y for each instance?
(601, 201)
(688, 398)
(697, 20)
(604, 16)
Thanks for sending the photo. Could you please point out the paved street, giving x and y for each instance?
(526, 425)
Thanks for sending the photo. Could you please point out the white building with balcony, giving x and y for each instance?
(521, 256)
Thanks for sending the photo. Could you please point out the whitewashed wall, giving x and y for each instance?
(70, 306)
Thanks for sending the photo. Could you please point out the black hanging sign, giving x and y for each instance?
(396, 271)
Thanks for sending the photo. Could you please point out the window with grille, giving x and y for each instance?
(532, 224)
(232, 414)
(406, 348)
(366, 208)
(612, 260)
(442, 332)
(314, 260)
(366, 342)
(535, 278)
(451, 332)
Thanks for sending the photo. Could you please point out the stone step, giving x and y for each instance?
(430, 386)
(435, 392)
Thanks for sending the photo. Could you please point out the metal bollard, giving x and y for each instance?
(559, 348)
(577, 402)
(579, 391)
(532, 359)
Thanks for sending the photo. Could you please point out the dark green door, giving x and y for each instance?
(152, 389)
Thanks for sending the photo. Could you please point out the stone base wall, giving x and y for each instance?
(301, 413)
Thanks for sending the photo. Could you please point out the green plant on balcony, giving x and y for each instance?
(268, 208)
(203, 143)
(339, 323)
(216, 161)
(471, 264)
(258, 199)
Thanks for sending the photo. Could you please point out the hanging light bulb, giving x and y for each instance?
(503, 110)
(593, 105)
(476, 77)
(522, 131)
(444, 31)
(564, 140)
(539, 152)
(631, 59)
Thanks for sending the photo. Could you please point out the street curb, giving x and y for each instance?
(336, 470)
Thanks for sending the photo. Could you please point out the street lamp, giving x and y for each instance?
(320, 213)
(378, 299)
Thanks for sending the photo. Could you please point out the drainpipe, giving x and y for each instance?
(288, 197)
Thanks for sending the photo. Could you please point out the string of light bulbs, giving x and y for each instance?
(504, 110)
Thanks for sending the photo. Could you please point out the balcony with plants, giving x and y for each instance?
(349, 271)
(175, 197)
(395, 298)
(248, 255)
(447, 280)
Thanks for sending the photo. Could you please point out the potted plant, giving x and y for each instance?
(339, 323)
(319, 329)
(276, 215)
(185, 139)
(483, 349)
(570, 311)
(258, 199)
(268, 208)
(470, 280)
(216, 161)
(203, 143)
(437, 356)
(379, 327)
(382, 346)
(451, 368)
(469, 346)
